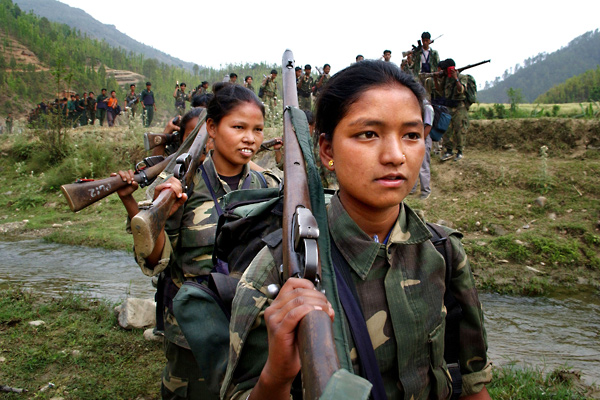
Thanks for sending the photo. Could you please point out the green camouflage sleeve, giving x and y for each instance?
(475, 366)
(249, 349)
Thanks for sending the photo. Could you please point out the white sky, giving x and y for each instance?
(221, 32)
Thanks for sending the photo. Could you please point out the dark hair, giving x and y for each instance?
(425, 35)
(274, 71)
(233, 75)
(112, 91)
(187, 117)
(387, 51)
(246, 78)
(203, 83)
(326, 65)
(228, 96)
(202, 100)
(307, 66)
(91, 93)
(133, 84)
(346, 86)
(448, 62)
(103, 89)
(360, 55)
(297, 69)
(182, 84)
(148, 84)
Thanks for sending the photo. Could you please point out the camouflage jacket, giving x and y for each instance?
(270, 87)
(305, 86)
(180, 98)
(434, 60)
(326, 78)
(249, 86)
(190, 236)
(400, 286)
(451, 93)
(131, 100)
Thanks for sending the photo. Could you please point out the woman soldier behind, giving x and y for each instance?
(371, 134)
(235, 120)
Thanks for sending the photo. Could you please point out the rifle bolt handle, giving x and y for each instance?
(272, 291)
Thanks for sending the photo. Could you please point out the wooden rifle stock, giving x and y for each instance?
(317, 349)
(151, 140)
(82, 194)
(147, 224)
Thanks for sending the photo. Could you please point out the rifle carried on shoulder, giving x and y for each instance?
(301, 259)
(85, 192)
(147, 224)
(459, 70)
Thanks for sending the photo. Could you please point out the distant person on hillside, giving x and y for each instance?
(269, 87)
(305, 86)
(454, 87)
(323, 79)
(72, 111)
(180, 98)
(248, 83)
(131, 101)
(148, 104)
(113, 108)
(424, 59)
(233, 78)
(204, 87)
(9, 123)
(101, 106)
(81, 111)
(90, 105)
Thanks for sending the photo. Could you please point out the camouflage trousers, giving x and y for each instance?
(455, 135)
(304, 103)
(181, 377)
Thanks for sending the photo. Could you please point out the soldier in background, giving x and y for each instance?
(424, 58)
(359, 57)
(101, 106)
(305, 86)
(180, 98)
(323, 79)
(248, 83)
(90, 106)
(233, 78)
(269, 87)
(131, 101)
(454, 87)
(148, 104)
(298, 72)
(9, 123)
(81, 111)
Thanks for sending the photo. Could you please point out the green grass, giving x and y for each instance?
(512, 382)
(80, 349)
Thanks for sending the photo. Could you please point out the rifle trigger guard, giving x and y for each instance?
(305, 234)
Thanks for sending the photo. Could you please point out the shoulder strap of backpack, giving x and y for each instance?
(358, 326)
(442, 244)
(261, 178)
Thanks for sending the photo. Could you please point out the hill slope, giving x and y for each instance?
(544, 71)
(76, 18)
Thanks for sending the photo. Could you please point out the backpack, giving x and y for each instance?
(261, 92)
(441, 122)
(471, 95)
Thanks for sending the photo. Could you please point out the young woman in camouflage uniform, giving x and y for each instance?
(235, 120)
(372, 136)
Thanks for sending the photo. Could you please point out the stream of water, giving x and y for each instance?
(543, 332)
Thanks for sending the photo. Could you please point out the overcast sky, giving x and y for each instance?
(222, 32)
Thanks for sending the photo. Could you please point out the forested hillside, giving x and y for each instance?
(76, 18)
(35, 52)
(542, 72)
(580, 88)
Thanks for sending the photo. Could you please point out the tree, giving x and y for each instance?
(196, 69)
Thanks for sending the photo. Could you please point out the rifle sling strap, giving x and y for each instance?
(358, 326)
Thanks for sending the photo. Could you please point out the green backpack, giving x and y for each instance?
(471, 95)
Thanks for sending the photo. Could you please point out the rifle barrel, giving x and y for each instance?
(318, 355)
(81, 195)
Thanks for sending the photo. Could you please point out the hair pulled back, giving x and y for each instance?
(227, 97)
(346, 86)
(188, 116)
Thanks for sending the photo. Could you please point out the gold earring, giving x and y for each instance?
(330, 163)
